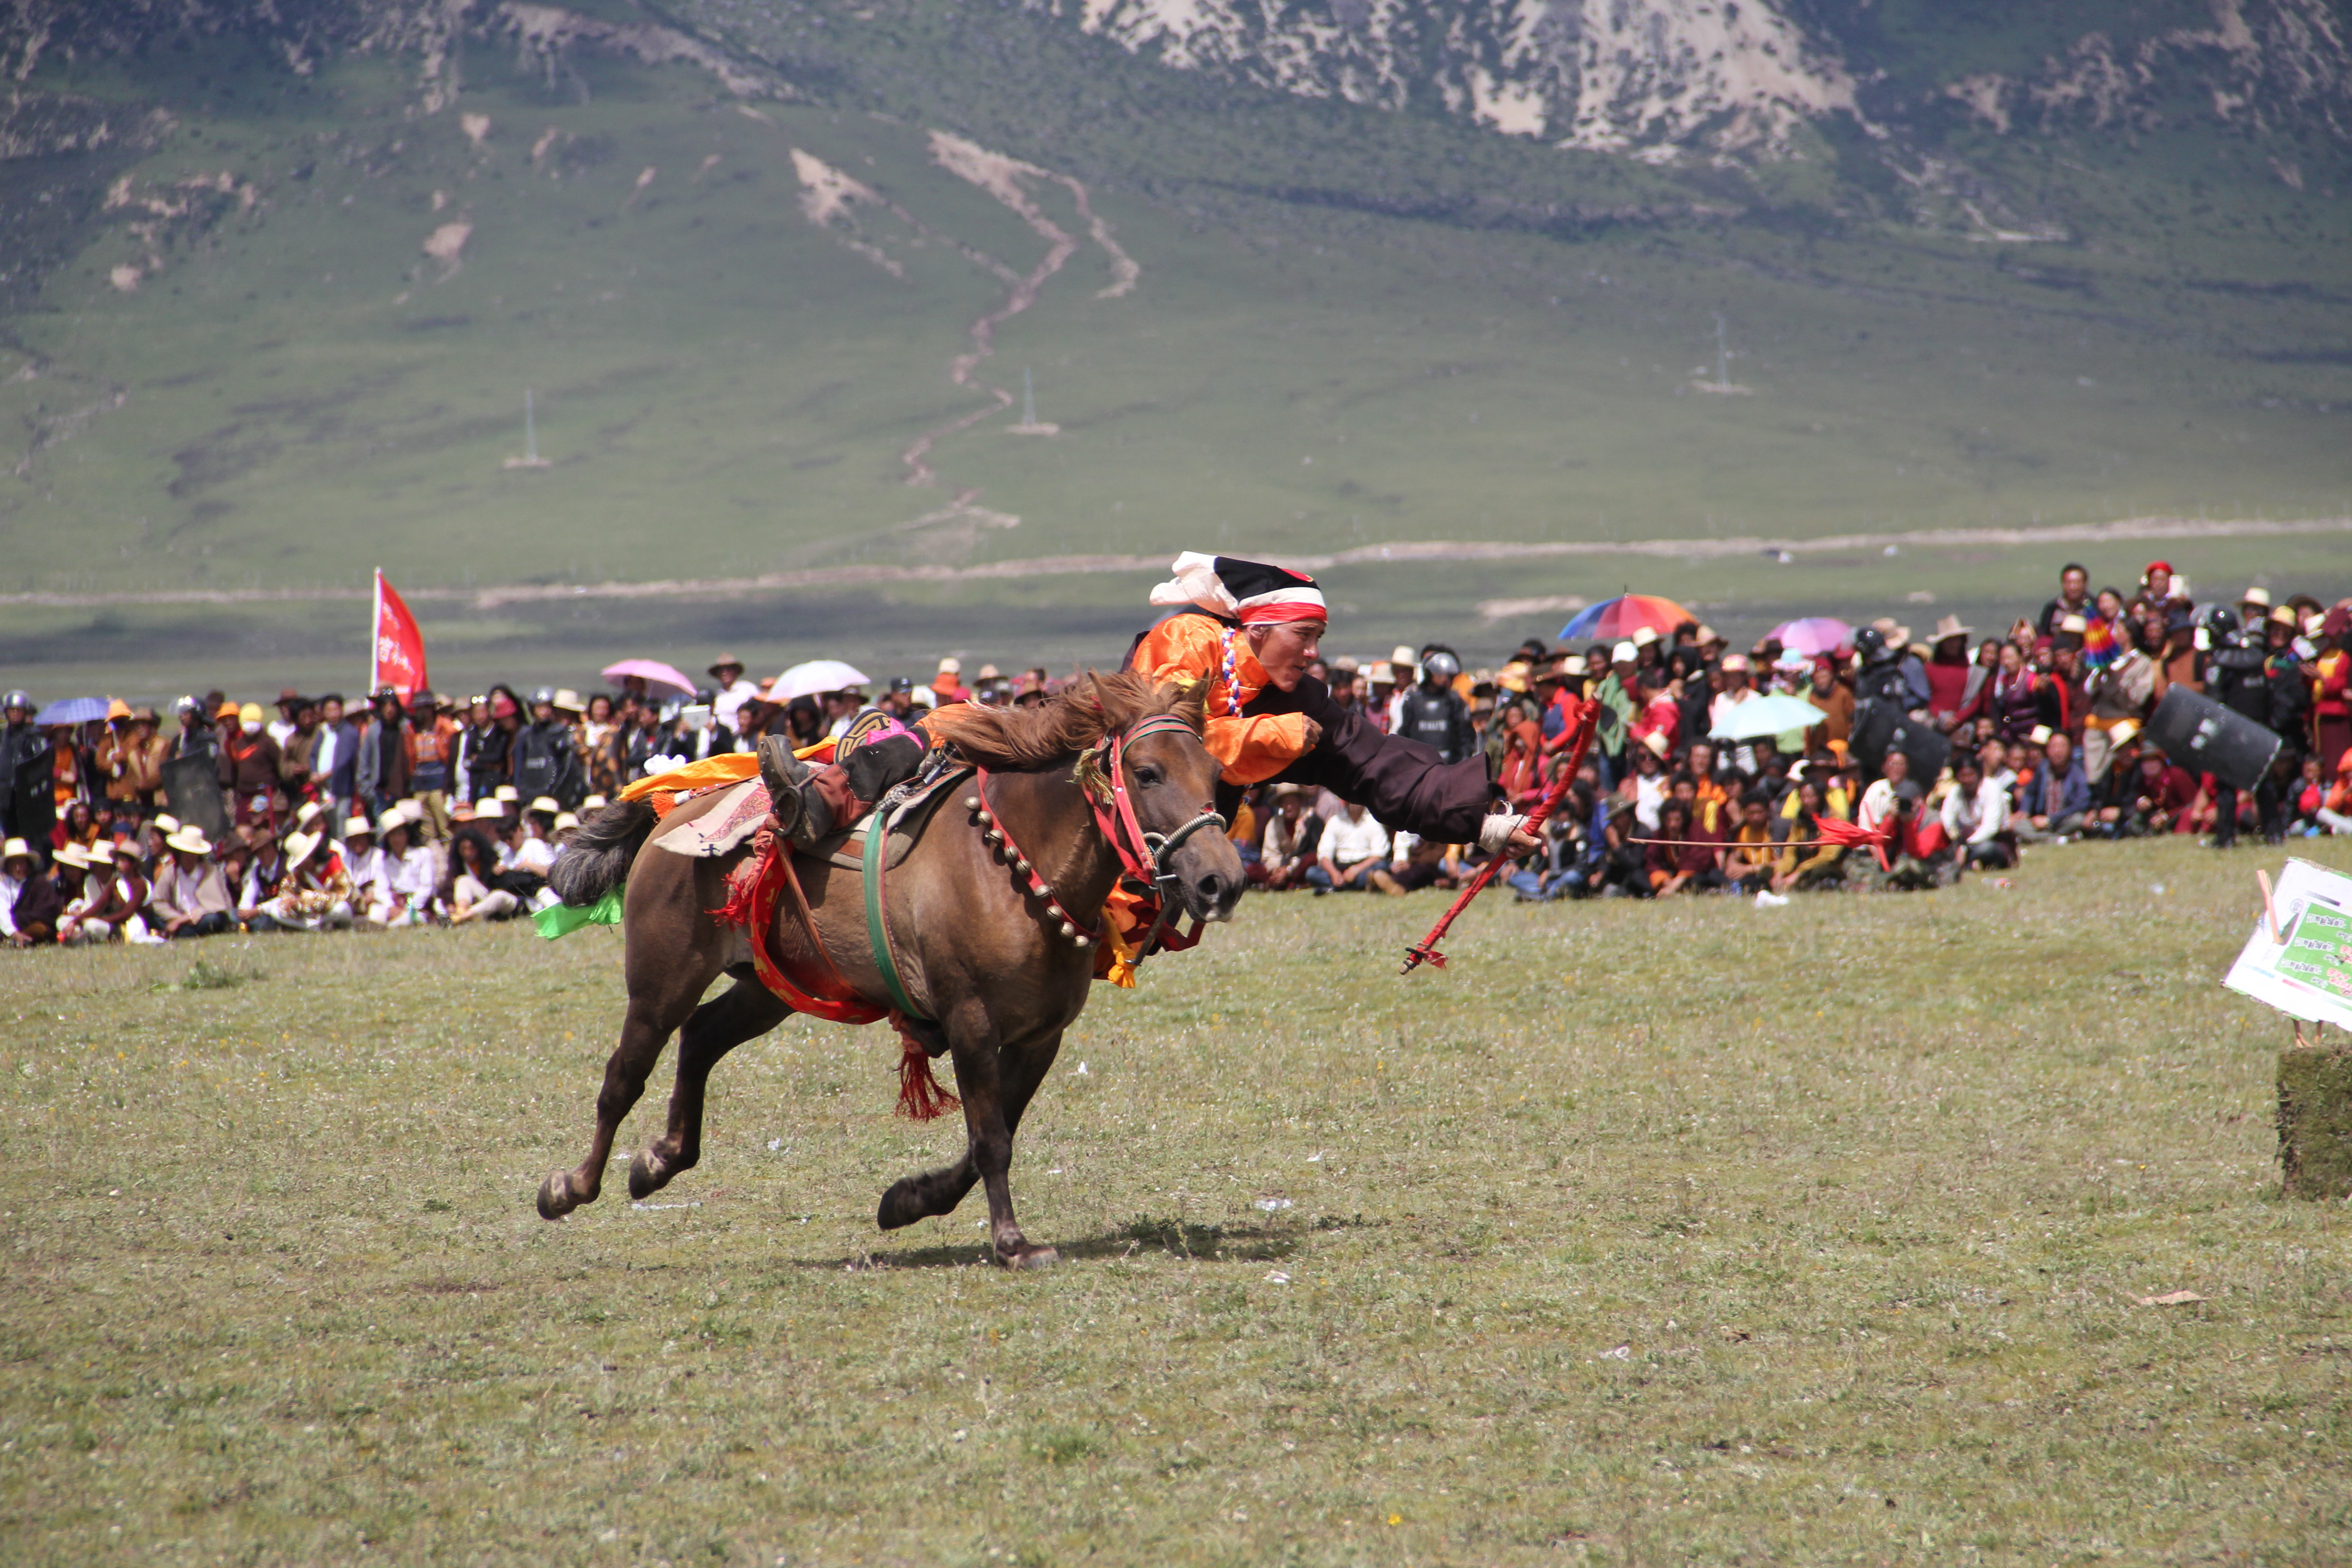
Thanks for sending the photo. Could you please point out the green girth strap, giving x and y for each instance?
(877, 922)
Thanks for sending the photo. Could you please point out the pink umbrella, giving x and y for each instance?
(1812, 635)
(655, 674)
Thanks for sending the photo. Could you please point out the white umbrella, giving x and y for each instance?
(815, 679)
(1776, 714)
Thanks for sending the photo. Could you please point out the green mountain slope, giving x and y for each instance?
(230, 361)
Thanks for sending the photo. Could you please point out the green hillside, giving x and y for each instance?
(229, 362)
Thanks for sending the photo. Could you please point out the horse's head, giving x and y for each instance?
(1171, 781)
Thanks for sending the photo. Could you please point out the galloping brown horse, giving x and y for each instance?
(979, 952)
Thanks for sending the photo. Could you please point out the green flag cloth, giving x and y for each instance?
(562, 920)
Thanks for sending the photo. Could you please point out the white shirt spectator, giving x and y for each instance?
(1877, 804)
(724, 705)
(1354, 834)
(1974, 819)
(1651, 792)
(537, 856)
(9, 887)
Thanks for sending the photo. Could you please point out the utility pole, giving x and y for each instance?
(531, 457)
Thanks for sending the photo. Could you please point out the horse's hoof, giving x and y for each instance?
(647, 1174)
(1032, 1258)
(902, 1204)
(555, 1199)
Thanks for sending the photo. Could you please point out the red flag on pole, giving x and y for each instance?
(399, 657)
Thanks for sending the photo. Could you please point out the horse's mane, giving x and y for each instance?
(1094, 705)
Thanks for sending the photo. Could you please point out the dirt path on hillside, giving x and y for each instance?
(1000, 177)
(2149, 528)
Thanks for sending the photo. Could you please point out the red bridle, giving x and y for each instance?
(1143, 856)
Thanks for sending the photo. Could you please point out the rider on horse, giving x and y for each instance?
(1248, 631)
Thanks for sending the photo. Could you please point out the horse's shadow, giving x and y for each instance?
(1141, 1237)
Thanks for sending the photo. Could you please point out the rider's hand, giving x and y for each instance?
(1313, 732)
(1520, 844)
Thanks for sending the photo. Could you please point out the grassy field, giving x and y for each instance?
(1678, 1233)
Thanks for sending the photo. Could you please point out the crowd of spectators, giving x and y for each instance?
(392, 811)
(2043, 727)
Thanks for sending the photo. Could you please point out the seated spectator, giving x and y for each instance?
(1425, 863)
(260, 883)
(1571, 835)
(1810, 859)
(36, 901)
(191, 895)
(396, 886)
(84, 878)
(1288, 850)
(1620, 867)
(124, 910)
(315, 893)
(2336, 814)
(471, 891)
(1976, 817)
(1751, 857)
(1710, 800)
(1682, 862)
(2059, 797)
(2167, 798)
(1646, 785)
(1353, 855)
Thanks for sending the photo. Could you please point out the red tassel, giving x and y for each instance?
(921, 1096)
(743, 887)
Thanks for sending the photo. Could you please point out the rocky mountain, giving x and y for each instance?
(1662, 79)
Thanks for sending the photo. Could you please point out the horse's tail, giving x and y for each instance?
(597, 859)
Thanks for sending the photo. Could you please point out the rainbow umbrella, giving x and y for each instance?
(1813, 634)
(2101, 646)
(1624, 615)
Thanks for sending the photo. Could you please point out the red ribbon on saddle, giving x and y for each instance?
(753, 889)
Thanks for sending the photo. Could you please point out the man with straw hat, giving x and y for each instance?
(124, 910)
(84, 877)
(314, 893)
(191, 897)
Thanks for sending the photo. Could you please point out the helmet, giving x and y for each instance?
(1871, 644)
(543, 694)
(16, 700)
(1439, 667)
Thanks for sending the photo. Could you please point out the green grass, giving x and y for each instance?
(1351, 327)
(1676, 1234)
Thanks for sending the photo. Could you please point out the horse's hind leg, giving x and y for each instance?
(644, 1030)
(745, 1011)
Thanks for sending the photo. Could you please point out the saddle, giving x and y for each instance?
(900, 817)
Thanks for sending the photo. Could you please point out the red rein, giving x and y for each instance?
(1425, 951)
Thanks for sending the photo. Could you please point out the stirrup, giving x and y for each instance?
(783, 773)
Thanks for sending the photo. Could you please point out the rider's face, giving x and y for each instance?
(1285, 650)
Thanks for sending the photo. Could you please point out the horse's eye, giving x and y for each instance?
(1147, 778)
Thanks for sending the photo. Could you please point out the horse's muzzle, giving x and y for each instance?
(1213, 883)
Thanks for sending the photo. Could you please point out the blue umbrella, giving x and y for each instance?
(72, 710)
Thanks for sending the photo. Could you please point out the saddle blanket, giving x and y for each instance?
(740, 810)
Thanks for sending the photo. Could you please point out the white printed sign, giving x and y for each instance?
(2309, 976)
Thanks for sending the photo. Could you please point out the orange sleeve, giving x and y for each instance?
(1190, 650)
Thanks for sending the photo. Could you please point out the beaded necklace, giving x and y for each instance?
(1233, 674)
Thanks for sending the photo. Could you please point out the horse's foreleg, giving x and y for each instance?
(996, 1084)
(644, 1029)
(938, 1192)
(745, 1011)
